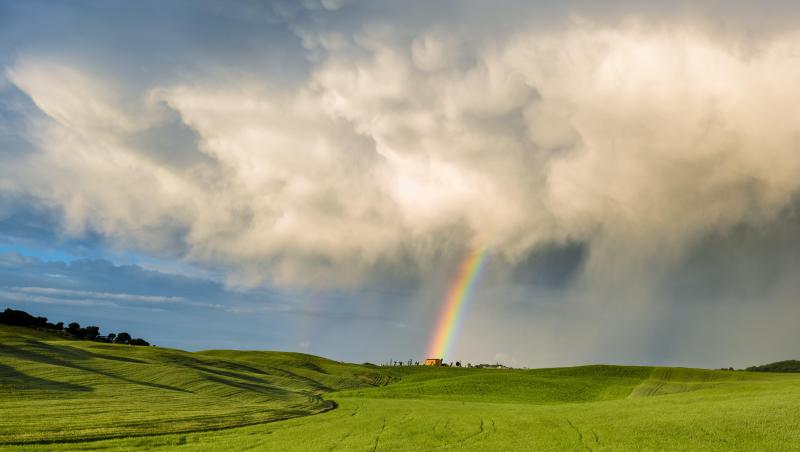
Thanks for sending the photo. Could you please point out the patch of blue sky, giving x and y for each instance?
(44, 254)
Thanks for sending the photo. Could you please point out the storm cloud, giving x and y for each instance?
(603, 157)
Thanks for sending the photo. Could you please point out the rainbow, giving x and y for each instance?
(453, 307)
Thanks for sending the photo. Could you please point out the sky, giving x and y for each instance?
(309, 176)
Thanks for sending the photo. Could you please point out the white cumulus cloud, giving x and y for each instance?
(396, 149)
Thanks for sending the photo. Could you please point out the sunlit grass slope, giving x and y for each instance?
(539, 386)
(57, 390)
(54, 389)
(729, 413)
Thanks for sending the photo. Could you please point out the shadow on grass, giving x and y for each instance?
(265, 389)
(310, 381)
(10, 376)
(43, 353)
(222, 368)
(229, 374)
(189, 361)
(79, 353)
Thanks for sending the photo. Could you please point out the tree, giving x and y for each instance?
(91, 332)
(19, 318)
(74, 330)
(139, 341)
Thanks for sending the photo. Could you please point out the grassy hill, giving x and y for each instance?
(539, 386)
(54, 389)
(780, 366)
(76, 395)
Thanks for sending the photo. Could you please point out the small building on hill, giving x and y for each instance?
(492, 366)
(433, 362)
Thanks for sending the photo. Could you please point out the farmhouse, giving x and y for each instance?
(433, 362)
(491, 366)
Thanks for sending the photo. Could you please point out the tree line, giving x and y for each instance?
(392, 362)
(74, 330)
(780, 366)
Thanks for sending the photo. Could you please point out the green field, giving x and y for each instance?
(64, 394)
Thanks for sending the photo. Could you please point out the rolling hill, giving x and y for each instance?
(57, 393)
(55, 389)
(780, 366)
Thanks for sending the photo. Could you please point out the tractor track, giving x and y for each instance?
(378, 438)
(580, 435)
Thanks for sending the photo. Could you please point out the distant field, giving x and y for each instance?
(74, 395)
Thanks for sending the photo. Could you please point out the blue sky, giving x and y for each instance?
(308, 175)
